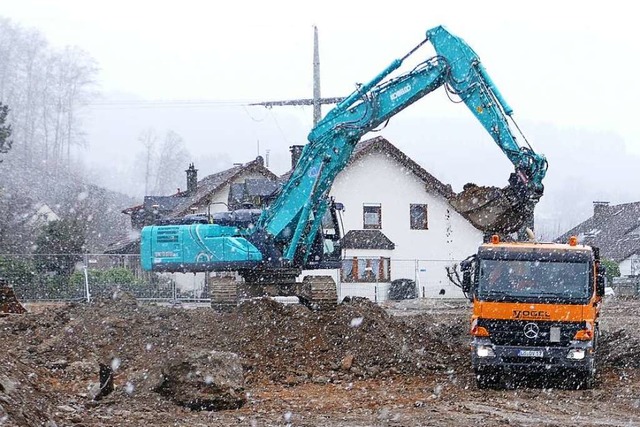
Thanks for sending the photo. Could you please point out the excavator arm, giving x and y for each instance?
(295, 216)
(289, 234)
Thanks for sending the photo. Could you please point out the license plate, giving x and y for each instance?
(531, 353)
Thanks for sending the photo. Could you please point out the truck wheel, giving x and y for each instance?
(486, 380)
(585, 380)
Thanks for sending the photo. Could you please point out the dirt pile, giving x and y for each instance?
(620, 350)
(25, 394)
(276, 342)
(346, 362)
(8, 301)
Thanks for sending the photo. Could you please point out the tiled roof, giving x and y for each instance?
(382, 145)
(180, 203)
(614, 229)
(366, 239)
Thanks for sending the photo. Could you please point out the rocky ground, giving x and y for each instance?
(400, 364)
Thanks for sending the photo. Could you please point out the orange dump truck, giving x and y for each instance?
(536, 309)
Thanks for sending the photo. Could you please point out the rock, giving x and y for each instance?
(57, 364)
(81, 369)
(320, 380)
(204, 380)
(347, 362)
(6, 384)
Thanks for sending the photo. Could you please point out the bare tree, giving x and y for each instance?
(172, 159)
(148, 138)
(46, 89)
(162, 161)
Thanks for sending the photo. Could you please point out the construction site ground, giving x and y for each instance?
(363, 364)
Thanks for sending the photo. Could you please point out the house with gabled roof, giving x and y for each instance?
(214, 193)
(615, 229)
(398, 224)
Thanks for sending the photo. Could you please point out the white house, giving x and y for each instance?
(398, 224)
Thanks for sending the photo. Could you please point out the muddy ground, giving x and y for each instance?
(400, 364)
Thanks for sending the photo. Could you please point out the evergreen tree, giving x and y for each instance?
(5, 130)
(58, 247)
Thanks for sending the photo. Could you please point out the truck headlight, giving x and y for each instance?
(576, 354)
(485, 351)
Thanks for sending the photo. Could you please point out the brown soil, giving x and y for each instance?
(402, 364)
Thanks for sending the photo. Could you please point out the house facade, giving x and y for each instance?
(615, 229)
(398, 225)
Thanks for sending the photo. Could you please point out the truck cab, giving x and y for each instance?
(536, 310)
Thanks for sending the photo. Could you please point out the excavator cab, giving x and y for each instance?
(326, 250)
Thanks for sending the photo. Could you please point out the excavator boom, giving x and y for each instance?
(289, 234)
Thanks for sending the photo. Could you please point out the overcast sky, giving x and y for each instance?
(570, 65)
(573, 63)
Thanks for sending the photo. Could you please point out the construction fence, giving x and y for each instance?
(64, 277)
(626, 287)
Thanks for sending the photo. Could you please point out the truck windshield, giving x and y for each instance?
(541, 280)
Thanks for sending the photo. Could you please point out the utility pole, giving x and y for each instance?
(317, 111)
(316, 101)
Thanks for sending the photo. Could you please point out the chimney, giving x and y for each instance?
(296, 152)
(192, 179)
(600, 211)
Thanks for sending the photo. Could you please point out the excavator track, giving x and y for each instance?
(223, 293)
(315, 292)
(318, 293)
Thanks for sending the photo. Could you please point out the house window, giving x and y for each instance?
(418, 217)
(366, 270)
(372, 216)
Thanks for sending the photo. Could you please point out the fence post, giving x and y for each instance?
(175, 291)
(86, 283)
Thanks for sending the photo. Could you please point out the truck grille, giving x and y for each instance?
(512, 332)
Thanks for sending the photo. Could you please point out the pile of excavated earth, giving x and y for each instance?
(115, 361)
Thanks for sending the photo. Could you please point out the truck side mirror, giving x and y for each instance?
(468, 268)
(601, 279)
(466, 281)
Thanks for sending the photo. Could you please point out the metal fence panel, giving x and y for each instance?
(72, 277)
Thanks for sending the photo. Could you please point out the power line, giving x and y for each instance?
(159, 103)
(169, 103)
(316, 101)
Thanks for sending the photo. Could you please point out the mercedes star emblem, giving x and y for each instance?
(531, 330)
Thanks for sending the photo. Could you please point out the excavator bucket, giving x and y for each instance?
(8, 301)
(493, 209)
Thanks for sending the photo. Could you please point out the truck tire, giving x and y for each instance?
(486, 380)
(585, 380)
